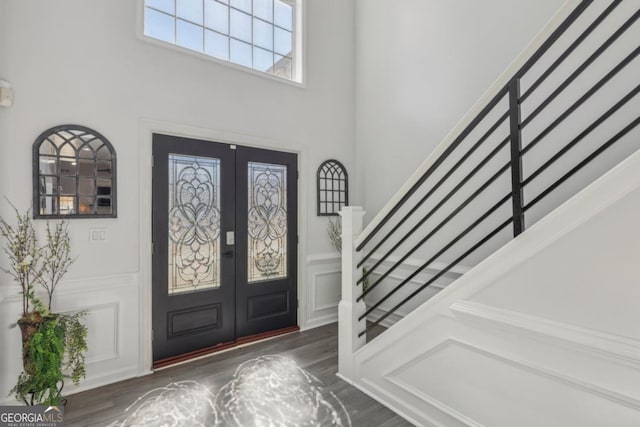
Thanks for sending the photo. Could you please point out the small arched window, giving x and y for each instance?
(333, 188)
(74, 174)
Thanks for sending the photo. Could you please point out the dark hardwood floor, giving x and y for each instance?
(314, 351)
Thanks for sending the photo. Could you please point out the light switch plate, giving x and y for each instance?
(97, 235)
(6, 97)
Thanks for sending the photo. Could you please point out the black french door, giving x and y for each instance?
(224, 243)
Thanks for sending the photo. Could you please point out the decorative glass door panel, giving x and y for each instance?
(194, 223)
(267, 222)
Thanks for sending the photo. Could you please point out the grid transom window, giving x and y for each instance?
(258, 34)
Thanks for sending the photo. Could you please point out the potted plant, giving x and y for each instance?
(53, 344)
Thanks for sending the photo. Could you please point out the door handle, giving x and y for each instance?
(227, 254)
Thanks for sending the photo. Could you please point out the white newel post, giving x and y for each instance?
(349, 310)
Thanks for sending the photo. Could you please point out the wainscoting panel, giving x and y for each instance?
(323, 289)
(477, 386)
(327, 294)
(104, 346)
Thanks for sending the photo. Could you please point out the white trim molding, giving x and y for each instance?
(324, 258)
(613, 347)
(453, 345)
(13, 293)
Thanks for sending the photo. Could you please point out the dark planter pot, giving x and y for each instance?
(28, 327)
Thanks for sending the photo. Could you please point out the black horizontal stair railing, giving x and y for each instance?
(570, 49)
(468, 200)
(462, 182)
(414, 219)
(436, 186)
(582, 68)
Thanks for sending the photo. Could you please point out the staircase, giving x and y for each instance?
(505, 268)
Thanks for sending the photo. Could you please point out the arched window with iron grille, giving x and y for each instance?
(333, 188)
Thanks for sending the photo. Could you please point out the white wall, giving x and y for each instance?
(73, 61)
(3, 114)
(420, 66)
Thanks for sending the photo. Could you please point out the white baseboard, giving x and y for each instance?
(106, 379)
(320, 321)
(95, 382)
(377, 394)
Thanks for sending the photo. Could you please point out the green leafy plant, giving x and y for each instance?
(53, 345)
(75, 343)
(42, 364)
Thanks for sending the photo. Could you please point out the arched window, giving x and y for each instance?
(333, 188)
(74, 174)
